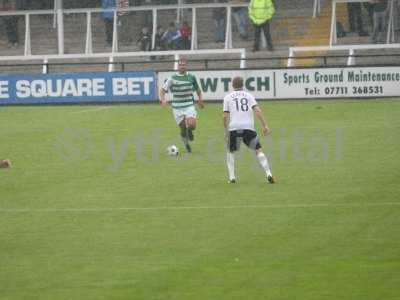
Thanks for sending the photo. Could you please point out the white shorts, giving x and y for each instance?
(182, 113)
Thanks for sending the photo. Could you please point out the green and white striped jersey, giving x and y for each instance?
(181, 86)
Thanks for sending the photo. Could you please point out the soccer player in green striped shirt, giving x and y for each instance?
(182, 85)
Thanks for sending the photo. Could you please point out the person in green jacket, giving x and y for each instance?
(260, 13)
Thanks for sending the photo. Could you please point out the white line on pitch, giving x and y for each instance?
(111, 209)
(91, 110)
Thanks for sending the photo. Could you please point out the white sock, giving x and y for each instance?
(264, 163)
(230, 162)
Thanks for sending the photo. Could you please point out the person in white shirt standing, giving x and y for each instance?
(239, 109)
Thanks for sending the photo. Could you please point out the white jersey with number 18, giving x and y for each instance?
(239, 105)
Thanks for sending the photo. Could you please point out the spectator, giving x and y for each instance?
(396, 16)
(219, 16)
(368, 7)
(172, 37)
(124, 18)
(186, 35)
(239, 15)
(122, 4)
(379, 15)
(159, 44)
(261, 12)
(145, 39)
(147, 14)
(11, 22)
(355, 18)
(108, 17)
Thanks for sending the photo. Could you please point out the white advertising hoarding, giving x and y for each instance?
(301, 83)
(216, 84)
(338, 82)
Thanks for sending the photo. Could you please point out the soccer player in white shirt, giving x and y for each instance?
(239, 109)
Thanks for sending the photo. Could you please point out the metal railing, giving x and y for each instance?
(351, 48)
(45, 59)
(328, 60)
(59, 13)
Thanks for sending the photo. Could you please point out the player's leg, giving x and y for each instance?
(263, 160)
(183, 129)
(191, 120)
(179, 116)
(232, 145)
(191, 126)
(250, 138)
(184, 135)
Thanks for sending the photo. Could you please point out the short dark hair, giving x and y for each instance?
(237, 82)
(182, 61)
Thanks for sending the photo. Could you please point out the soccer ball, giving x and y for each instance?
(172, 150)
(5, 163)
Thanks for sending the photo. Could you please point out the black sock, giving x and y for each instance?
(183, 131)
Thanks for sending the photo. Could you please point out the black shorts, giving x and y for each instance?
(249, 137)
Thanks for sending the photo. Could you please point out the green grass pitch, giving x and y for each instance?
(93, 208)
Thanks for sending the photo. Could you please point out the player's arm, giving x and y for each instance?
(226, 119)
(260, 117)
(226, 116)
(196, 87)
(163, 92)
(200, 97)
(162, 97)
